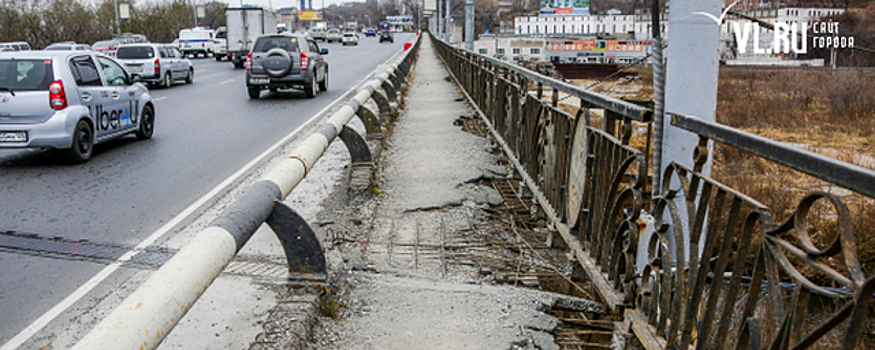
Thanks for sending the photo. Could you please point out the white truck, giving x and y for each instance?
(244, 25)
(197, 41)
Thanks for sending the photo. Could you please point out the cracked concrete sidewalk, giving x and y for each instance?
(398, 290)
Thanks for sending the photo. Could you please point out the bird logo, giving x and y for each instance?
(718, 20)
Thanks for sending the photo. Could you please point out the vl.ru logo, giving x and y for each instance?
(787, 36)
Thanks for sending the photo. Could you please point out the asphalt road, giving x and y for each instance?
(204, 133)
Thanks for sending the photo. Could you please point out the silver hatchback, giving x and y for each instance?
(70, 100)
(156, 63)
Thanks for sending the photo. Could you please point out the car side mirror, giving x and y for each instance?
(323, 52)
(136, 78)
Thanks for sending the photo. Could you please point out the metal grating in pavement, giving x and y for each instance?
(81, 249)
(108, 253)
(259, 269)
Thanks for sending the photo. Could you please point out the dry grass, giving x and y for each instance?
(825, 109)
(832, 114)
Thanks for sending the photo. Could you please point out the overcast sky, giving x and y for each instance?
(317, 4)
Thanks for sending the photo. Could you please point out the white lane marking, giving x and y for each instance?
(80, 292)
(160, 98)
(226, 81)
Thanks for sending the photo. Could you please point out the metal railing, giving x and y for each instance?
(145, 317)
(744, 288)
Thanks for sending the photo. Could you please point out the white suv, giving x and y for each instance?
(156, 63)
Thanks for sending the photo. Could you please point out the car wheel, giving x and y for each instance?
(83, 143)
(238, 64)
(190, 77)
(254, 92)
(147, 124)
(218, 57)
(310, 89)
(168, 80)
(323, 85)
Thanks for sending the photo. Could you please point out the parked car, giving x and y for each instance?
(350, 38)
(156, 63)
(67, 46)
(317, 33)
(70, 100)
(281, 61)
(333, 35)
(15, 46)
(128, 38)
(107, 47)
(386, 36)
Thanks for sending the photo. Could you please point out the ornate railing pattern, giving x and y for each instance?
(717, 272)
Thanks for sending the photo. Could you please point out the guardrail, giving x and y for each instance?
(145, 317)
(744, 289)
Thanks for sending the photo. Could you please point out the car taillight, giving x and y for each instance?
(304, 62)
(157, 66)
(57, 97)
(248, 61)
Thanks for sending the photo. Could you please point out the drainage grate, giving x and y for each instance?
(81, 249)
(260, 269)
(109, 253)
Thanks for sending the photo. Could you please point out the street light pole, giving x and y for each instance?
(447, 30)
(469, 25)
(440, 21)
(118, 28)
(194, 9)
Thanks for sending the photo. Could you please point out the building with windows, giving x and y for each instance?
(289, 16)
(511, 47)
(574, 24)
(593, 50)
(619, 38)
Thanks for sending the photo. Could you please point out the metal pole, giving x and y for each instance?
(447, 22)
(118, 28)
(658, 98)
(440, 20)
(469, 25)
(194, 8)
(690, 84)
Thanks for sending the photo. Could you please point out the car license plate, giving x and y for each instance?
(259, 80)
(135, 69)
(13, 136)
